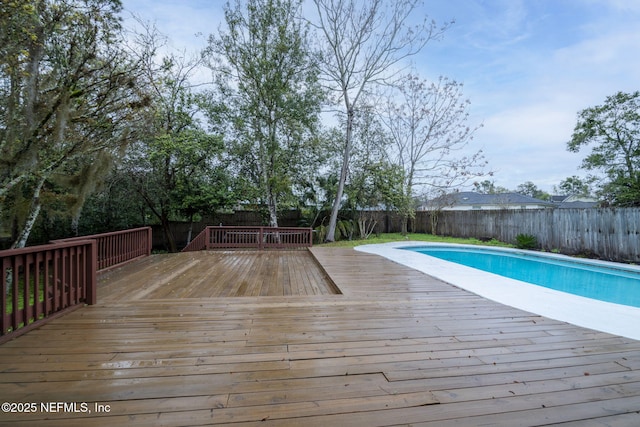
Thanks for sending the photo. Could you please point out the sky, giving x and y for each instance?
(528, 68)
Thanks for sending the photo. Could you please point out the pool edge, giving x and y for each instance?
(584, 312)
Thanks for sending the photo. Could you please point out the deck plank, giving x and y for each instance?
(217, 274)
(262, 338)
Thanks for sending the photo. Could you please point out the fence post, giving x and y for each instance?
(260, 234)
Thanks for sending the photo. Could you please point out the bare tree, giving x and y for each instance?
(361, 42)
(438, 200)
(428, 125)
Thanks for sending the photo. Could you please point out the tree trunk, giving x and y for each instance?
(333, 220)
(75, 223)
(404, 224)
(273, 210)
(34, 211)
(434, 222)
(190, 233)
(168, 235)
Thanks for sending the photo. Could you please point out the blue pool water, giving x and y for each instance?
(615, 285)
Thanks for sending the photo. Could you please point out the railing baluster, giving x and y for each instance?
(49, 281)
(28, 259)
(5, 270)
(15, 291)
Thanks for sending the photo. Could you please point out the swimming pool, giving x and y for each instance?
(579, 310)
(618, 285)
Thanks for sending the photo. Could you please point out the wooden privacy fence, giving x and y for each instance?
(118, 247)
(216, 237)
(612, 234)
(40, 283)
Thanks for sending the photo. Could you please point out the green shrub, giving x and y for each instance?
(526, 241)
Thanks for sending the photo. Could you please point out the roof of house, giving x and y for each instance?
(472, 198)
(573, 201)
(577, 205)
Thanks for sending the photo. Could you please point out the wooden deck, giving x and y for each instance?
(396, 348)
(213, 274)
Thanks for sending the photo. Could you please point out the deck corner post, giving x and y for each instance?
(149, 240)
(92, 276)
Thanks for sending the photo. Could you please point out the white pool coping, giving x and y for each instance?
(602, 316)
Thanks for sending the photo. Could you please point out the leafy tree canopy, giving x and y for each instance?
(68, 98)
(612, 132)
(574, 186)
(272, 98)
(530, 189)
(488, 187)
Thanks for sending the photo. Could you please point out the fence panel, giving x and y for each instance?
(44, 281)
(612, 234)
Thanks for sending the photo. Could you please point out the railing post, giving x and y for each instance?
(91, 273)
(149, 240)
(260, 236)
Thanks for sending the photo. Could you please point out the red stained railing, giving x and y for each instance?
(213, 237)
(119, 247)
(42, 282)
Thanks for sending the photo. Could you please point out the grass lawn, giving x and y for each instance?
(414, 237)
(9, 308)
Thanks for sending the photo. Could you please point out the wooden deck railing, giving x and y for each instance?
(214, 237)
(119, 247)
(42, 282)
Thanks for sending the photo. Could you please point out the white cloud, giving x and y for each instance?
(529, 144)
(604, 58)
(186, 23)
(529, 97)
(625, 6)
